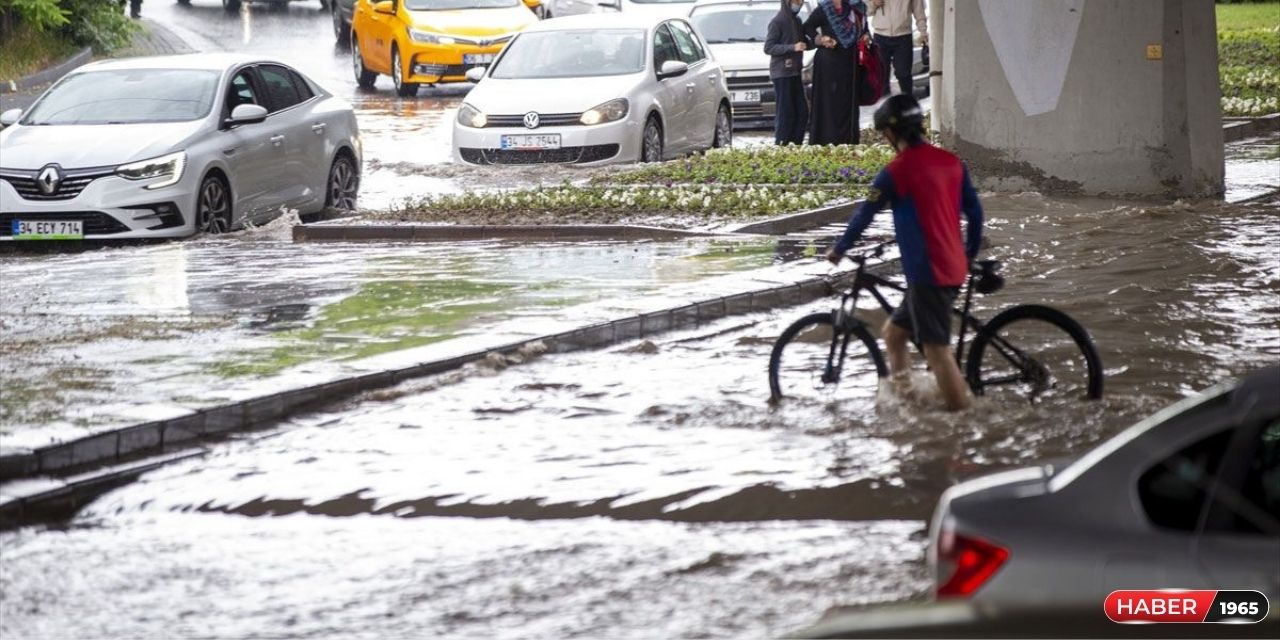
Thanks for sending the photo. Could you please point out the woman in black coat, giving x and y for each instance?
(834, 117)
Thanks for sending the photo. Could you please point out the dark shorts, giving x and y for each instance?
(926, 312)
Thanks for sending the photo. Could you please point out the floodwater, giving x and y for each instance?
(647, 490)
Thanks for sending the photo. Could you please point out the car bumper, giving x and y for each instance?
(431, 64)
(110, 208)
(583, 145)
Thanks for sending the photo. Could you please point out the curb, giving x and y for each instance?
(186, 429)
(1235, 130)
(51, 74)
(803, 221)
(440, 233)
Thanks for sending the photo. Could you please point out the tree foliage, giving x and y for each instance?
(100, 24)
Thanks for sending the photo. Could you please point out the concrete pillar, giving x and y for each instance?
(1113, 97)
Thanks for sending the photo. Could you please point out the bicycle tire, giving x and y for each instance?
(811, 322)
(980, 376)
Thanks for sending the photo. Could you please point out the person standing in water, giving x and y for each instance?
(929, 189)
(785, 44)
(834, 118)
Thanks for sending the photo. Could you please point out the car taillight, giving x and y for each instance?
(974, 561)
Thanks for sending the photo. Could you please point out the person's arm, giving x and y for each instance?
(815, 21)
(922, 19)
(972, 209)
(881, 194)
(772, 41)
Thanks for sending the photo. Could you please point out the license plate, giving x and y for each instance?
(48, 230)
(539, 141)
(477, 58)
(746, 96)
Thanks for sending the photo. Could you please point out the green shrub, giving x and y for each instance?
(786, 165)
(100, 24)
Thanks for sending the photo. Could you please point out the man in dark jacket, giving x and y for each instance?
(786, 44)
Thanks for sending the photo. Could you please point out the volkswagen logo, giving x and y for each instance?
(531, 120)
(49, 179)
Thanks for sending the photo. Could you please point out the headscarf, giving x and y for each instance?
(845, 27)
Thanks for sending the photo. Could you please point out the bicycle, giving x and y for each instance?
(1057, 354)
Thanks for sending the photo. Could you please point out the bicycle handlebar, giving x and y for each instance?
(873, 252)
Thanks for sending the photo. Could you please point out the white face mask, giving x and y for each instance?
(795, 8)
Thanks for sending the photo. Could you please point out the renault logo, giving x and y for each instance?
(531, 120)
(49, 179)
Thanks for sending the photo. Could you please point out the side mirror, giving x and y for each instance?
(533, 4)
(385, 6)
(673, 68)
(475, 74)
(10, 117)
(246, 114)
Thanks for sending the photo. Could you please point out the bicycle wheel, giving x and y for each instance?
(1035, 352)
(798, 366)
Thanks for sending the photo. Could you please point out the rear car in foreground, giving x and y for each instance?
(593, 90)
(1188, 499)
(171, 146)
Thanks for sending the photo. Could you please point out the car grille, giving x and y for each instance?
(544, 120)
(73, 182)
(93, 222)
(444, 70)
(742, 83)
(566, 155)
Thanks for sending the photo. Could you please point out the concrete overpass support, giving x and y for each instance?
(1082, 96)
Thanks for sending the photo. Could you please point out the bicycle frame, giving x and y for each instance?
(871, 282)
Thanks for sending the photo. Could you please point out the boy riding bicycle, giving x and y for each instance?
(928, 189)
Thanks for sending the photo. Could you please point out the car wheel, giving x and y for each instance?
(651, 141)
(341, 30)
(344, 184)
(403, 89)
(364, 77)
(213, 207)
(724, 128)
(231, 5)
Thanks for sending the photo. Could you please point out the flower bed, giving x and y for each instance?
(765, 165)
(682, 205)
(1248, 47)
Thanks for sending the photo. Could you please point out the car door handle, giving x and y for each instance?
(277, 140)
(229, 151)
(318, 127)
(690, 85)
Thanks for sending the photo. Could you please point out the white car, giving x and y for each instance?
(647, 8)
(171, 146)
(593, 90)
(1186, 499)
(735, 30)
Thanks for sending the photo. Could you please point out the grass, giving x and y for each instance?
(27, 51)
(1248, 15)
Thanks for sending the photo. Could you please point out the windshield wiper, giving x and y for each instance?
(745, 40)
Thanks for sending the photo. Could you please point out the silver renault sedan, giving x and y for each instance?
(1186, 499)
(595, 89)
(172, 146)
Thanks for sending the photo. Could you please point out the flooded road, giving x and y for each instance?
(648, 489)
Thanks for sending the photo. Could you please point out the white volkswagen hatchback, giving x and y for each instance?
(595, 89)
(171, 146)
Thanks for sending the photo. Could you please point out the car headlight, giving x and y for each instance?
(610, 111)
(469, 116)
(430, 38)
(169, 167)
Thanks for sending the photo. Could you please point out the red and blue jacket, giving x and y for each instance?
(928, 188)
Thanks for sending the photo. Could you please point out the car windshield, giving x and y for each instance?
(127, 96)
(743, 25)
(450, 5)
(572, 54)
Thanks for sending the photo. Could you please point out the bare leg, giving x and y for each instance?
(954, 390)
(895, 342)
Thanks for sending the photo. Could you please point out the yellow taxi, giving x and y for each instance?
(431, 41)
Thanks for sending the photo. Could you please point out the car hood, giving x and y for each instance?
(81, 146)
(475, 22)
(746, 56)
(557, 95)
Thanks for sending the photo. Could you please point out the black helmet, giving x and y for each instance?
(902, 115)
